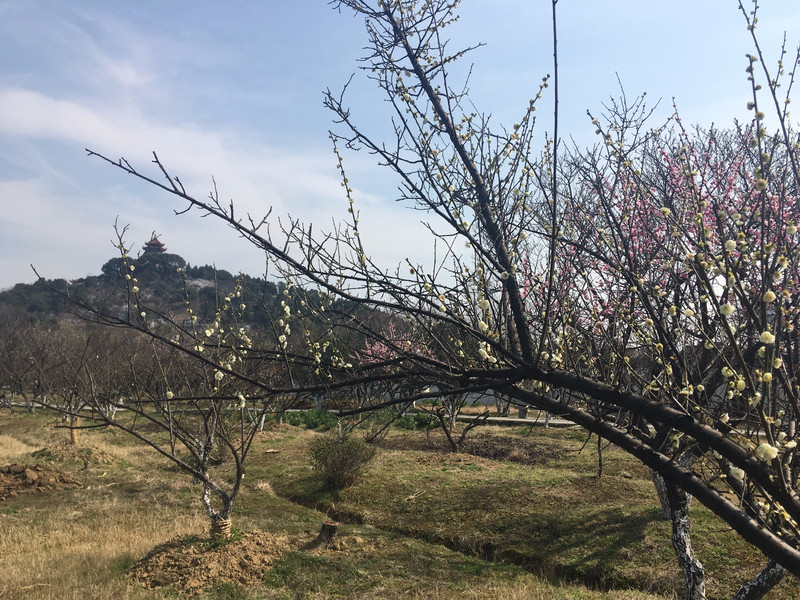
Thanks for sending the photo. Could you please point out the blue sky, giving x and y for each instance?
(234, 91)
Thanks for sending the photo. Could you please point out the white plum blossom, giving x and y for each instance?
(737, 473)
(767, 338)
(766, 452)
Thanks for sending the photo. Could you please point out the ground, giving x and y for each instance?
(110, 519)
(17, 479)
(191, 564)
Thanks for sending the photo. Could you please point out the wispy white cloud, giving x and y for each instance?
(236, 94)
(257, 178)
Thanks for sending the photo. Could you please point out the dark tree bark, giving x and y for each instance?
(693, 571)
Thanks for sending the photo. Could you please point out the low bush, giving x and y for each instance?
(340, 458)
(312, 419)
(417, 421)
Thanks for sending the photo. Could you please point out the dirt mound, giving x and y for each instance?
(191, 565)
(510, 448)
(21, 479)
(66, 452)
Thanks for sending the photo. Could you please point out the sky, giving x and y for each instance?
(234, 91)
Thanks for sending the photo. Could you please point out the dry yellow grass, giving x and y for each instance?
(11, 449)
(75, 552)
(74, 544)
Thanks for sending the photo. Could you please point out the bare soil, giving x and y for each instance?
(19, 479)
(67, 452)
(191, 565)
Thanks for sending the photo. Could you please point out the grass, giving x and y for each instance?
(555, 518)
(417, 525)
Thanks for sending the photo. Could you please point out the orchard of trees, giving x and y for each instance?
(646, 289)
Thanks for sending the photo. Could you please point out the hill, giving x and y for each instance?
(165, 281)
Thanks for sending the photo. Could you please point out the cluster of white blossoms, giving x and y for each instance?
(766, 452)
(485, 353)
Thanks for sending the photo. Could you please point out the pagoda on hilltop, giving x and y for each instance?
(154, 246)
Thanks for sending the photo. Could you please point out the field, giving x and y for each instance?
(519, 514)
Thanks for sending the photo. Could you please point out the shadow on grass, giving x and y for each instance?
(582, 546)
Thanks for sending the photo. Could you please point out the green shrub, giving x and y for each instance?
(407, 422)
(293, 418)
(377, 425)
(425, 420)
(312, 419)
(417, 421)
(340, 458)
(318, 418)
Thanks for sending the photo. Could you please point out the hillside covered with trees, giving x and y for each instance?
(166, 280)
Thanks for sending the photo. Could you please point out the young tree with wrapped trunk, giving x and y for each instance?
(165, 379)
(609, 289)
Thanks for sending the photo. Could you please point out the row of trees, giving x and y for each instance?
(645, 288)
(149, 389)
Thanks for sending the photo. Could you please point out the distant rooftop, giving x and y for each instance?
(154, 246)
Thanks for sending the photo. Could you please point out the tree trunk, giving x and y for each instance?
(768, 578)
(599, 457)
(220, 519)
(73, 431)
(685, 460)
(693, 572)
(220, 528)
(661, 489)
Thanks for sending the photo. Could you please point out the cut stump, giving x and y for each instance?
(325, 537)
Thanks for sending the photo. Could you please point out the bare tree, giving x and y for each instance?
(165, 379)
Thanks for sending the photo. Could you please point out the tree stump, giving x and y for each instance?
(325, 537)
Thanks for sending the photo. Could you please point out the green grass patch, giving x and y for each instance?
(554, 517)
(532, 522)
